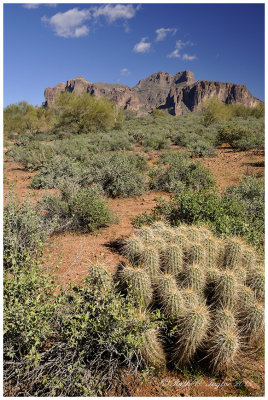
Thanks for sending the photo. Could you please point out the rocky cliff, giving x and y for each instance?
(177, 94)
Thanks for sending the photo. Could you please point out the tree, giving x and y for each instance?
(81, 113)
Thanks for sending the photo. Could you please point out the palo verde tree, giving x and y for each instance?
(82, 113)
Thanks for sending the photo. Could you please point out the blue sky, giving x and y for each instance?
(123, 43)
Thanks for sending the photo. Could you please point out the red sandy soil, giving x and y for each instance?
(74, 252)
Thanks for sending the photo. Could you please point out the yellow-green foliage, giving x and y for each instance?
(82, 113)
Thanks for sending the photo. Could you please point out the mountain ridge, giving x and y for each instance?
(160, 90)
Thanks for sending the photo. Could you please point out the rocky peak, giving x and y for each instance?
(185, 77)
(177, 94)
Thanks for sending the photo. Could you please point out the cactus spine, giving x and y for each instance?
(192, 331)
(223, 349)
(138, 285)
(197, 254)
(173, 260)
(233, 253)
(133, 249)
(100, 277)
(151, 261)
(194, 277)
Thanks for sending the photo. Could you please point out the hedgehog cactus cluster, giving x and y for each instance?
(210, 289)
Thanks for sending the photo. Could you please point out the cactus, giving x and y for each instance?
(246, 296)
(224, 318)
(194, 277)
(257, 282)
(159, 227)
(194, 234)
(211, 249)
(166, 283)
(223, 349)
(196, 254)
(249, 259)
(100, 277)
(252, 322)
(192, 331)
(146, 234)
(173, 304)
(191, 297)
(173, 260)
(181, 240)
(241, 274)
(221, 254)
(137, 284)
(233, 253)
(151, 261)
(152, 350)
(226, 289)
(133, 249)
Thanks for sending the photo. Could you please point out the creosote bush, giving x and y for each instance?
(78, 209)
(24, 231)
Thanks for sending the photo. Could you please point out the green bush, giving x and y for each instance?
(181, 173)
(24, 232)
(214, 110)
(33, 156)
(54, 172)
(29, 304)
(119, 174)
(242, 134)
(79, 342)
(239, 211)
(201, 148)
(82, 113)
(78, 209)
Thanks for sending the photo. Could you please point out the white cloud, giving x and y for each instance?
(180, 44)
(188, 58)
(174, 54)
(142, 46)
(125, 72)
(31, 5)
(114, 12)
(162, 33)
(70, 23)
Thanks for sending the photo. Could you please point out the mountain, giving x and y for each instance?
(177, 94)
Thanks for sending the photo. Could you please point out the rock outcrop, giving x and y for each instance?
(177, 94)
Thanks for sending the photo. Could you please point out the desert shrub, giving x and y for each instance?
(33, 156)
(155, 142)
(232, 214)
(52, 173)
(20, 117)
(242, 134)
(180, 173)
(29, 304)
(78, 209)
(214, 110)
(158, 113)
(82, 113)
(201, 148)
(74, 343)
(119, 174)
(24, 232)
(258, 111)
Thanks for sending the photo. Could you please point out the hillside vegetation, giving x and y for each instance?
(191, 292)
